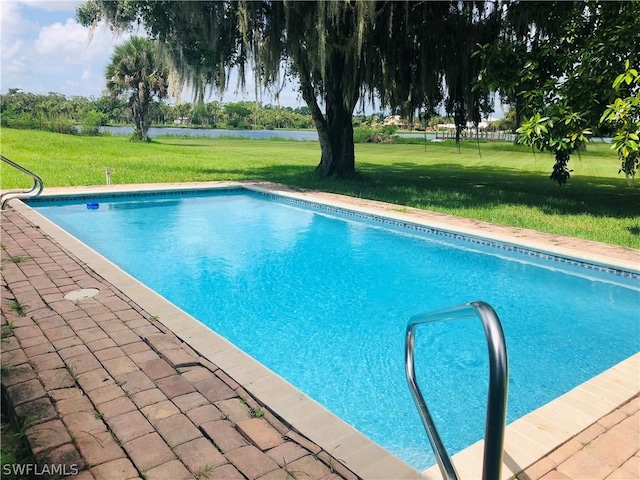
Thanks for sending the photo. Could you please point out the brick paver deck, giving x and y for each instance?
(608, 449)
(108, 388)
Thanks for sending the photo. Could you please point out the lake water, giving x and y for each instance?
(215, 133)
(304, 135)
(308, 135)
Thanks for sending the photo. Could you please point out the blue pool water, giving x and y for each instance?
(323, 298)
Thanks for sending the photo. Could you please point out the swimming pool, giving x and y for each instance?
(386, 283)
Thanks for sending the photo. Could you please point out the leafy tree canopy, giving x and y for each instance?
(555, 59)
(624, 115)
(555, 66)
(406, 54)
(133, 69)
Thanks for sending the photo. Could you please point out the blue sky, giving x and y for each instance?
(45, 50)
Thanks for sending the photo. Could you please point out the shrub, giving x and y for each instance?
(61, 125)
(24, 121)
(365, 134)
(92, 122)
(362, 134)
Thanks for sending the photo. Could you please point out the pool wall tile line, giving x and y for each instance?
(603, 393)
(509, 239)
(487, 237)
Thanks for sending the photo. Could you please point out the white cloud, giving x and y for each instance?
(13, 58)
(14, 52)
(46, 50)
(11, 20)
(73, 44)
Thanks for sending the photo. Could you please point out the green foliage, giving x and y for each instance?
(6, 331)
(52, 112)
(555, 64)
(238, 114)
(28, 111)
(41, 112)
(137, 137)
(12, 118)
(507, 123)
(26, 121)
(61, 125)
(561, 132)
(134, 69)
(362, 133)
(18, 259)
(389, 129)
(92, 121)
(412, 56)
(624, 115)
(367, 134)
(203, 472)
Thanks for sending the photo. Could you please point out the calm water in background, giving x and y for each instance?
(214, 133)
(308, 135)
(323, 300)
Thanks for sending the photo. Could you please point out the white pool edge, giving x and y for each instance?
(527, 440)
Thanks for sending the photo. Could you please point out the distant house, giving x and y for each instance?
(396, 120)
(484, 124)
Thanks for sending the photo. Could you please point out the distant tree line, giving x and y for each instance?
(76, 114)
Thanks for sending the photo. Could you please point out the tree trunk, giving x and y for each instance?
(335, 129)
(338, 153)
(140, 110)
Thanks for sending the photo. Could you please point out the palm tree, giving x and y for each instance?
(134, 68)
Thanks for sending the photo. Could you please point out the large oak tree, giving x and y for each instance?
(407, 55)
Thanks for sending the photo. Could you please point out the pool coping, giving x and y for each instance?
(527, 439)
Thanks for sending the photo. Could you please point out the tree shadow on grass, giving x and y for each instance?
(447, 186)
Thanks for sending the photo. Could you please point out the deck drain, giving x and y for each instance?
(82, 294)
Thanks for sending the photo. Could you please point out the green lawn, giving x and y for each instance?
(506, 184)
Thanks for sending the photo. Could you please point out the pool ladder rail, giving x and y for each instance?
(34, 191)
(498, 387)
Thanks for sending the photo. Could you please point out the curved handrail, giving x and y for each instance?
(38, 184)
(498, 387)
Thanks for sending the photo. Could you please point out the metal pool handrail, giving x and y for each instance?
(498, 387)
(38, 184)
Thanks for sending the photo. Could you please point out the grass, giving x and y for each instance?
(20, 308)
(506, 184)
(14, 449)
(17, 259)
